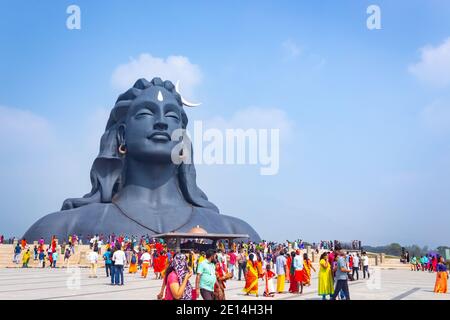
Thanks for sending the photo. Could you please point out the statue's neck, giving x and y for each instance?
(153, 184)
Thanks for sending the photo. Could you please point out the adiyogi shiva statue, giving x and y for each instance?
(137, 188)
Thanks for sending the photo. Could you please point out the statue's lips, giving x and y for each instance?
(160, 136)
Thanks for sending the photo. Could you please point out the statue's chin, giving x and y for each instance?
(152, 157)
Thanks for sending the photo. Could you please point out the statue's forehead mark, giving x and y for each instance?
(160, 96)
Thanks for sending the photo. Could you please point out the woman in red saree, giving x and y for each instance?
(441, 277)
(222, 276)
(157, 265)
(259, 267)
(23, 243)
(293, 284)
(434, 262)
(288, 267)
(269, 290)
(251, 277)
(53, 243)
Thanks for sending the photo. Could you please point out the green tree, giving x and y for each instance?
(394, 249)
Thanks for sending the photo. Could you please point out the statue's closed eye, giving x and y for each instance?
(143, 114)
(172, 114)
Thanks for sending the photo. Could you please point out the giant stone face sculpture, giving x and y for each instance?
(136, 187)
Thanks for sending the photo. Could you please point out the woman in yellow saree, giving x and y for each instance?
(441, 277)
(26, 259)
(326, 285)
(251, 277)
(133, 263)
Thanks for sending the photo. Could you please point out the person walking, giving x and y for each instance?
(355, 270)
(293, 285)
(307, 266)
(341, 277)
(42, 259)
(252, 276)
(232, 258)
(440, 285)
(35, 251)
(365, 263)
(434, 263)
(23, 243)
(26, 258)
(55, 256)
(299, 272)
(133, 262)
(50, 256)
(119, 259)
(413, 263)
(242, 264)
(280, 263)
(93, 260)
(108, 262)
(176, 280)
(325, 277)
(222, 275)
(269, 289)
(67, 254)
(206, 276)
(17, 251)
(145, 263)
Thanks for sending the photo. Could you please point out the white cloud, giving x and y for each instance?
(291, 48)
(172, 68)
(434, 65)
(436, 117)
(23, 127)
(44, 164)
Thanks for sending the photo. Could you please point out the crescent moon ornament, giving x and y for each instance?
(184, 101)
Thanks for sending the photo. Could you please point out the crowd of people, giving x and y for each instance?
(276, 265)
(430, 263)
(23, 253)
(427, 262)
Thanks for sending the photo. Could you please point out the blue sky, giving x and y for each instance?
(364, 114)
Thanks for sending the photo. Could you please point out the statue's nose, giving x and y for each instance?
(160, 125)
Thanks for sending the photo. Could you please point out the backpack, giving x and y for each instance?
(133, 259)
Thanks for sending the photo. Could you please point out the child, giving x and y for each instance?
(269, 290)
(42, 259)
(67, 257)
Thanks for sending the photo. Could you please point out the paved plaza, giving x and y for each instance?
(61, 283)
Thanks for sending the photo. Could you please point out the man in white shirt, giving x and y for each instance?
(93, 259)
(145, 258)
(119, 259)
(91, 242)
(355, 266)
(99, 246)
(365, 263)
(298, 267)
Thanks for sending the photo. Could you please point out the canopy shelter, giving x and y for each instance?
(197, 233)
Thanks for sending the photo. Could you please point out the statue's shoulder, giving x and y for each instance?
(59, 223)
(239, 226)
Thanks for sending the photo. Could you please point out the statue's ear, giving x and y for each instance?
(121, 134)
